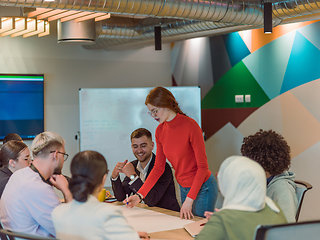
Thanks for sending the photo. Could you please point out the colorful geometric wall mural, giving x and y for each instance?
(286, 59)
(281, 73)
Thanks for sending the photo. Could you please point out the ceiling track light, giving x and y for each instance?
(267, 17)
(17, 26)
(157, 38)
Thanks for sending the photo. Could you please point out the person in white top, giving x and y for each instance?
(29, 198)
(85, 217)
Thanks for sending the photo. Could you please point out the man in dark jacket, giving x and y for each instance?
(163, 193)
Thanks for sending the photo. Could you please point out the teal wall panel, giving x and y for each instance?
(303, 65)
(268, 64)
(236, 48)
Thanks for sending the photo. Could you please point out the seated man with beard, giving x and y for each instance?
(163, 193)
(28, 198)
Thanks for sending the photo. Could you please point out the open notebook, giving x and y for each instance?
(194, 228)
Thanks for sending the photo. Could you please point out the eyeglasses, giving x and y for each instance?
(153, 112)
(65, 156)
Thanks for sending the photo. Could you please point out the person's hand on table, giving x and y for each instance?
(186, 209)
(208, 214)
(143, 235)
(132, 201)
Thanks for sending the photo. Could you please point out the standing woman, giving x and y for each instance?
(179, 139)
(14, 155)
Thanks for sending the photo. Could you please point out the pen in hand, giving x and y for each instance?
(127, 198)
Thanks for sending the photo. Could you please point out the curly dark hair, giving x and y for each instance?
(269, 149)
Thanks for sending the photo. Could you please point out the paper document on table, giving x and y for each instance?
(151, 221)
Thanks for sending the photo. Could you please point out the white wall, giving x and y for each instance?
(67, 68)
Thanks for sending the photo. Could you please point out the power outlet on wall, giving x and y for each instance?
(239, 98)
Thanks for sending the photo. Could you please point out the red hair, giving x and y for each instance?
(163, 98)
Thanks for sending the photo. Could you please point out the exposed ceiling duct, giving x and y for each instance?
(133, 21)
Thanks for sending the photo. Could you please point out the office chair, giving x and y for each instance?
(300, 191)
(293, 231)
(12, 235)
(3, 236)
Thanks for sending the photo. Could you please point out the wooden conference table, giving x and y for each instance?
(176, 234)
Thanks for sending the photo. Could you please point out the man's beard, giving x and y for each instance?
(57, 170)
(146, 157)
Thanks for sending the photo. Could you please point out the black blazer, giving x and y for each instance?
(161, 195)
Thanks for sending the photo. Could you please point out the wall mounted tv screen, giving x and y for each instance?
(21, 105)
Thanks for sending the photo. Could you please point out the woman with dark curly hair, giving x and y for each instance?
(273, 153)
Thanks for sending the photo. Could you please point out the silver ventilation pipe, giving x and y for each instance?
(112, 33)
(227, 11)
(118, 31)
(197, 16)
(240, 12)
(116, 44)
(298, 8)
(187, 18)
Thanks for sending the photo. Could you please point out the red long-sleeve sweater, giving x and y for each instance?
(181, 142)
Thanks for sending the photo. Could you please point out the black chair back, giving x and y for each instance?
(12, 235)
(293, 231)
(301, 191)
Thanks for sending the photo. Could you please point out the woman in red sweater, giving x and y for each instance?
(179, 139)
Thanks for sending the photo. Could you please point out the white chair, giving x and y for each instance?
(293, 231)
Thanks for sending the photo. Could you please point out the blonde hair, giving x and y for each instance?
(45, 140)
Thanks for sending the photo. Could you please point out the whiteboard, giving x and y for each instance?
(108, 116)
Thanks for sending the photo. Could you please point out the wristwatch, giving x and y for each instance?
(140, 197)
(133, 176)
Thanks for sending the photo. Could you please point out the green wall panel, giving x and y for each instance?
(237, 81)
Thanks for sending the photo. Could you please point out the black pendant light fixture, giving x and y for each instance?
(267, 17)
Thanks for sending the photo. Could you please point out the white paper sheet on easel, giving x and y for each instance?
(150, 221)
